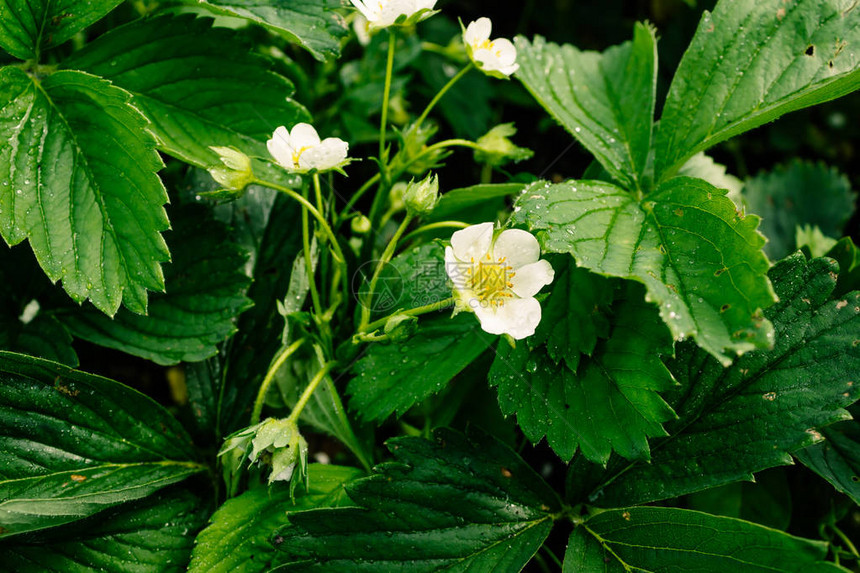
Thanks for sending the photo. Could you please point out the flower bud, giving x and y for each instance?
(420, 198)
(496, 149)
(400, 327)
(275, 442)
(360, 225)
(236, 172)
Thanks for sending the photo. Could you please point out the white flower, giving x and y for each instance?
(301, 151)
(495, 57)
(498, 278)
(385, 13)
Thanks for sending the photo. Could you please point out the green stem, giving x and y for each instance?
(309, 263)
(433, 149)
(432, 226)
(417, 311)
(389, 69)
(312, 386)
(355, 197)
(336, 250)
(442, 92)
(318, 193)
(386, 256)
(282, 356)
(845, 540)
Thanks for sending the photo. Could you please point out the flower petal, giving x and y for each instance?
(518, 317)
(304, 135)
(280, 148)
(518, 247)
(365, 11)
(327, 155)
(529, 279)
(478, 31)
(473, 242)
(505, 51)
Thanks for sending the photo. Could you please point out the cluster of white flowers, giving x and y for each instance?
(495, 275)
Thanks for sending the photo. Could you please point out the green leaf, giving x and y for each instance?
(153, 535)
(455, 504)
(205, 293)
(837, 458)
(239, 533)
(847, 255)
(312, 24)
(783, 200)
(251, 350)
(766, 502)
(610, 403)
(736, 421)
(750, 62)
(574, 313)
(472, 204)
(44, 336)
(699, 259)
(79, 182)
(198, 85)
(702, 166)
(73, 444)
(652, 539)
(29, 27)
(24, 326)
(604, 100)
(391, 378)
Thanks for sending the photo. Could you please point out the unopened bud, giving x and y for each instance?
(235, 173)
(420, 198)
(360, 225)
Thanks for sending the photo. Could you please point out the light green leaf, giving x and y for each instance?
(837, 458)
(750, 62)
(198, 85)
(736, 421)
(796, 194)
(391, 378)
(153, 535)
(574, 314)
(73, 444)
(205, 293)
(28, 27)
(455, 504)
(610, 403)
(659, 539)
(704, 167)
(312, 24)
(79, 181)
(604, 100)
(239, 534)
(699, 258)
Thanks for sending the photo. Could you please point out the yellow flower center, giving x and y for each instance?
(489, 46)
(298, 154)
(490, 280)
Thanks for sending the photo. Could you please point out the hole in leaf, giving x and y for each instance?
(830, 64)
(725, 307)
(855, 479)
(810, 51)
